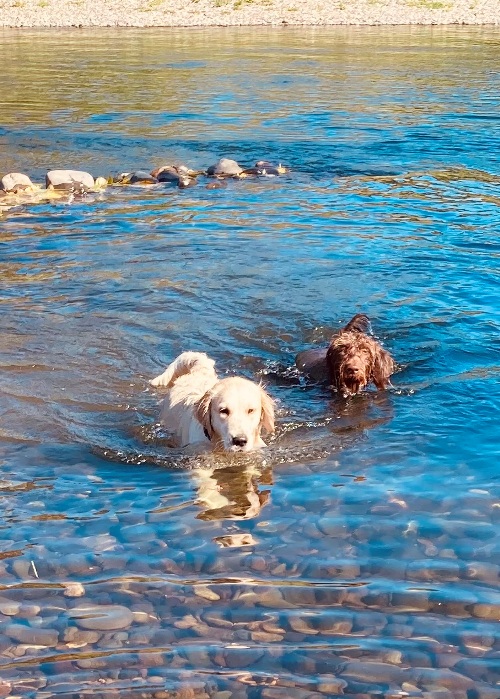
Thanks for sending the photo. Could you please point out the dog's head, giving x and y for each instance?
(354, 359)
(234, 412)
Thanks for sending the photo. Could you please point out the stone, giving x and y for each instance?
(79, 638)
(224, 168)
(373, 672)
(137, 177)
(180, 175)
(486, 611)
(329, 684)
(73, 589)
(69, 180)
(441, 678)
(32, 636)
(102, 617)
(205, 592)
(9, 607)
(16, 182)
(218, 184)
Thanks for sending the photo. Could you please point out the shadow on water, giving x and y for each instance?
(357, 555)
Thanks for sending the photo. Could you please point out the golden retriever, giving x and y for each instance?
(228, 413)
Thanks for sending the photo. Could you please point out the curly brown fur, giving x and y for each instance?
(355, 359)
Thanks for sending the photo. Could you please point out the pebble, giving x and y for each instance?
(73, 589)
(441, 678)
(487, 611)
(32, 636)
(329, 684)
(9, 607)
(205, 592)
(373, 672)
(101, 617)
(80, 637)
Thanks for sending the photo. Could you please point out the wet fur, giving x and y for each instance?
(194, 409)
(355, 359)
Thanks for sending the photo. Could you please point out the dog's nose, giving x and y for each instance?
(240, 440)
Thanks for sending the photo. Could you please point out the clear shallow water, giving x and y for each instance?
(361, 557)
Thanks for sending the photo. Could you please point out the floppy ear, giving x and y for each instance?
(334, 363)
(383, 367)
(202, 414)
(267, 414)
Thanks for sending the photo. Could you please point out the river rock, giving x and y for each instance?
(263, 168)
(16, 182)
(440, 678)
(73, 589)
(136, 177)
(69, 180)
(224, 168)
(373, 672)
(487, 611)
(101, 183)
(32, 636)
(218, 184)
(180, 175)
(101, 617)
(9, 607)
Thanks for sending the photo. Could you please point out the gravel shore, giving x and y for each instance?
(193, 13)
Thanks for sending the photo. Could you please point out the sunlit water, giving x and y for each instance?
(359, 556)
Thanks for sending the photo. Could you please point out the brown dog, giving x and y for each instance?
(353, 360)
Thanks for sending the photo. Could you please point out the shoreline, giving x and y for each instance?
(224, 13)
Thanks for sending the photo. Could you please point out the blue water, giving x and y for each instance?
(361, 556)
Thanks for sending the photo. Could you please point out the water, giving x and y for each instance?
(360, 556)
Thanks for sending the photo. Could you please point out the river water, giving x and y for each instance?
(360, 556)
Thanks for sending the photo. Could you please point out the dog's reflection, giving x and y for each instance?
(233, 491)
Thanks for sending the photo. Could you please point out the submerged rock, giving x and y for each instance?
(217, 184)
(69, 180)
(102, 617)
(270, 169)
(224, 168)
(180, 175)
(136, 177)
(15, 182)
(263, 168)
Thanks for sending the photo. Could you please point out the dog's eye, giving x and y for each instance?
(251, 410)
(224, 411)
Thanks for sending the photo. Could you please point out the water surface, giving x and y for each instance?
(360, 555)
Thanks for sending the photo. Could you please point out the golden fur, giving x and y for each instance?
(228, 414)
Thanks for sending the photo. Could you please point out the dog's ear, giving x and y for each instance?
(383, 367)
(267, 414)
(202, 414)
(334, 360)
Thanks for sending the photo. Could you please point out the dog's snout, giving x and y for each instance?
(239, 440)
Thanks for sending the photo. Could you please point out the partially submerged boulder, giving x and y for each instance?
(180, 175)
(16, 182)
(264, 168)
(136, 177)
(224, 168)
(75, 181)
